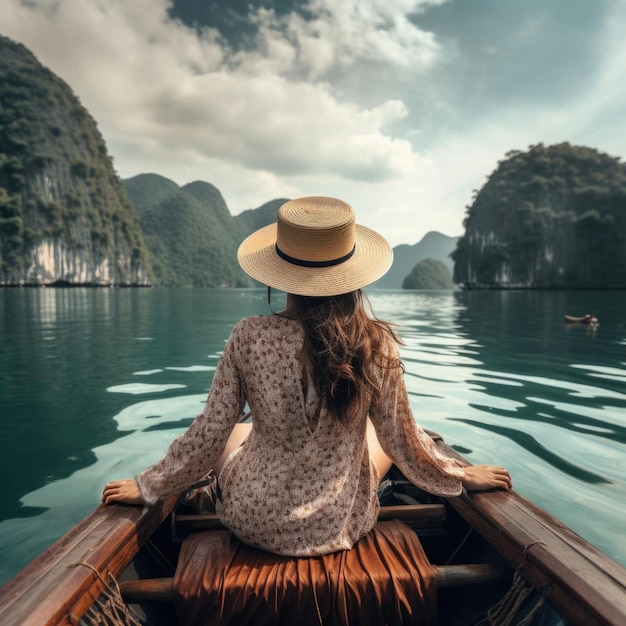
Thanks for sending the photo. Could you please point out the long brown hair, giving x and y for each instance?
(343, 339)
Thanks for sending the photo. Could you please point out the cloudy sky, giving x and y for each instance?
(400, 107)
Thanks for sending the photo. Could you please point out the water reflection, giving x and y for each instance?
(502, 378)
(64, 348)
(490, 368)
(95, 384)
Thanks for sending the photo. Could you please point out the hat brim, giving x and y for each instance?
(372, 258)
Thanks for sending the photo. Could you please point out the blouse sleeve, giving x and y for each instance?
(408, 445)
(191, 455)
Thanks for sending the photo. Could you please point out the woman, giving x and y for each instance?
(302, 480)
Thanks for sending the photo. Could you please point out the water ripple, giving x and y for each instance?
(193, 368)
(532, 445)
(139, 388)
(149, 413)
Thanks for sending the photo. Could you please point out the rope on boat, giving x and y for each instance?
(458, 548)
(109, 609)
(506, 609)
(530, 545)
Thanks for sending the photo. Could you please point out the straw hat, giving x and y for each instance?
(315, 249)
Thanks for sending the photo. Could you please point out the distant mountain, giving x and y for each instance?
(433, 245)
(190, 233)
(147, 190)
(210, 196)
(193, 238)
(64, 215)
(253, 219)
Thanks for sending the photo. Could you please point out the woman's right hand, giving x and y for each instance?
(482, 477)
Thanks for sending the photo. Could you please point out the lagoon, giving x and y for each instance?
(95, 383)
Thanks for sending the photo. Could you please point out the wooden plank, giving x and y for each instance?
(147, 590)
(586, 586)
(448, 576)
(59, 585)
(197, 521)
(422, 515)
(451, 576)
(414, 512)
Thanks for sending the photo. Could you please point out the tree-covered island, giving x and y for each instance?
(551, 217)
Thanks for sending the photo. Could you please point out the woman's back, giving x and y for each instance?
(301, 468)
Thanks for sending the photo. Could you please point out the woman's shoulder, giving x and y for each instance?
(263, 330)
(263, 324)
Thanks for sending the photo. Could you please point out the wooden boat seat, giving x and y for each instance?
(385, 579)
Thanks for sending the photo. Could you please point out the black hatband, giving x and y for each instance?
(303, 263)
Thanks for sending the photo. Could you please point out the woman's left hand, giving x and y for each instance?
(125, 491)
(481, 477)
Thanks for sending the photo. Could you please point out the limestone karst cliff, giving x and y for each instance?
(551, 217)
(64, 215)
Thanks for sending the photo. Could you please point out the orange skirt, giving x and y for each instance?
(385, 579)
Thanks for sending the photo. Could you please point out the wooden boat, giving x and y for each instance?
(582, 319)
(485, 547)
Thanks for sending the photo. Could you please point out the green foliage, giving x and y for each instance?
(551, 217)
(191, 235)
(253, 219)
(147, 190)
(429, 274)
(80, 169)
(55, 174)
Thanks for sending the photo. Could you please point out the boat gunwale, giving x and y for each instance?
(59, 585)
(584, 585)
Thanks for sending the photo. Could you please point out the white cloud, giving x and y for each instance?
(156, 86)
(269, 122)
(342, 33)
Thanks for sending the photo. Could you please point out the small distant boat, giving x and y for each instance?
(583, 319)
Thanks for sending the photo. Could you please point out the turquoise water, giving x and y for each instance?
(94, 384)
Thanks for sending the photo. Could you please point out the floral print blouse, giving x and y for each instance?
(302, 483)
